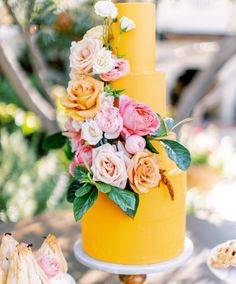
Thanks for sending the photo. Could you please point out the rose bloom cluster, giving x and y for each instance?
(113, 144)
(105, 135)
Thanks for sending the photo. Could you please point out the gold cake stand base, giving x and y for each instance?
(130, 274)
(133, 279)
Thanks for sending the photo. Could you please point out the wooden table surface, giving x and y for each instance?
(204, 233)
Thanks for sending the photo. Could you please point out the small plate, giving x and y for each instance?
(228, 274)
(67, 279)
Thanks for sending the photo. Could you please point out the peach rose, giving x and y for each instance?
(83, 98)
(109, 166)
(144, 172)
(83, 53)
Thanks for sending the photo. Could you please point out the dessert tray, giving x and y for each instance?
(226, 274)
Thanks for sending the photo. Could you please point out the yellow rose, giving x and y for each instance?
(83, 98)
(144, 172)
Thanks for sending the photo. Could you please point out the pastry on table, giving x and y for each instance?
(7, 247)
(24, 268)
(224, 256)
(51, 259)
(18, 265)
(50, 250)
(3, 276)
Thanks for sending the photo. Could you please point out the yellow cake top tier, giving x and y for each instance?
(138, 45)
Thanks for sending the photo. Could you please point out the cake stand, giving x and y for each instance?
(133, 274)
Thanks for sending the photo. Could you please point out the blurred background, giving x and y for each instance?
(196, 47)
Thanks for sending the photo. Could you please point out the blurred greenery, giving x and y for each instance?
(56, 27)
(29, 183)
(32, 180)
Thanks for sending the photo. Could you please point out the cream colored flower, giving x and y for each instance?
(104, 62)
(109, 166)
(107, 101)
(82, 55)
(91, 133)
(126, 24)
(106, 9)
(144, 172)
(95, 33)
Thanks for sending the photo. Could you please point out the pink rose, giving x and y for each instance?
(121, 69)
(110, 166)
(138, 118)
(49, 265)
(84, 153)
(73, 128)
(135, 144)
(110, 121)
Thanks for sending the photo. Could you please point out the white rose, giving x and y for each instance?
(106, 8)
(107, 101)
(104, 62)
(83, 54)
(126, 24)
(95, 33)
(91, 133)
(109, 166)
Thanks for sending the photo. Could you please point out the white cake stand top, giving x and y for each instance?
(90, 262)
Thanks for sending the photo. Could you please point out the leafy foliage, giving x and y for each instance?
(82, 204)
(54, 141)
(177, 153)
(128, 201)
(111, 91)
(150, 147)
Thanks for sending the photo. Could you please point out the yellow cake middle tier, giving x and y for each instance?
(149, 88)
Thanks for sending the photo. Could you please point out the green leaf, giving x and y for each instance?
(82, 204)
(169, 123)
(83, 190)
(126, 200)
(162, 131)
(150, 147)
(103, 187)
(132, 213)
(81, 174)
(68, 152)
(177, 153)
(74, 186)
(54, 141)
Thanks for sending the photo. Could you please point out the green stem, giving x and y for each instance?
(118, 43)
(189, 119)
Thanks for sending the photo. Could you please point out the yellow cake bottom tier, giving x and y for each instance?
(149, 88)
(156, 234)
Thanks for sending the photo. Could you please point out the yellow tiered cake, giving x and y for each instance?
(157, 232)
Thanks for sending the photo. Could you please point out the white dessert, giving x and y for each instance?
(18, 265)
(51, 248)
(8, 246)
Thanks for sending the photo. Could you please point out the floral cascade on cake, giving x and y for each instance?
(18, 264)
(108, 135)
